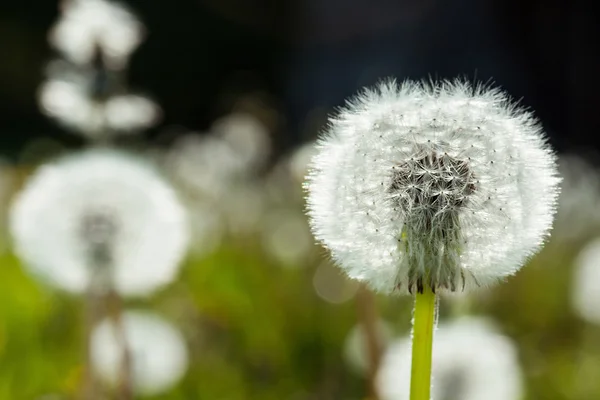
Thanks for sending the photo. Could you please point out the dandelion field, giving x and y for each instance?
(260, 328)
(185, 266)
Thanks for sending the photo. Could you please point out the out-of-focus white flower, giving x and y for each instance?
(71, 104)
(247, 137)
(471, 361)
(130, 112)
(355, 345)
(88, 25)
(220, 169)
(212, 164)
(203, 164)
(578, 215)
(586, 283)
(100, 206)
(157, 349)
(447, 186)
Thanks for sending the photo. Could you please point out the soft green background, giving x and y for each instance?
(258, 330)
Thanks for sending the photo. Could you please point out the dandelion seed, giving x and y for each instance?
(445, 186)
(471, 361)
(100, 209)
(158, 352)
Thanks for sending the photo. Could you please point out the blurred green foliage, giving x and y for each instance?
(258, 330)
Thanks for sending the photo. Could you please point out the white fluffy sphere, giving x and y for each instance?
(586, 283)
(100, 195)
(471, 361)
(448, 186)
(158, 352)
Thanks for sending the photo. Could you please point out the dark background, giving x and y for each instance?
(300, 59)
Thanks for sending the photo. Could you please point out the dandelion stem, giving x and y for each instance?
(125, 387)
(93, 312)
(422, 343)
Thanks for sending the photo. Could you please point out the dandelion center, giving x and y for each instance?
(428, 192)
(431, 185)
(98, 230)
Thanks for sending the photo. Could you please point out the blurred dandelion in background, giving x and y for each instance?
(87, 26)
(73, 97)
(356, 353)
(158, 352)
(471, 361)
(147, 230)
(578, 215)
(86, 91)
(220, 173)
(586, 283)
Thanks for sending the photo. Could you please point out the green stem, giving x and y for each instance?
(422, 343)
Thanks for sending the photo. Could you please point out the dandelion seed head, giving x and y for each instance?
(445, 185)
(100, 207)
(157, 349)
(471, 361)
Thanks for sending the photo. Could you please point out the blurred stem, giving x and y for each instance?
(93, 312)
(422, 344)
(125, 384)
(367, 316)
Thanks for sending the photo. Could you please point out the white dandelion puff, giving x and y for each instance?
(586, 283)
(69, 104)
(247, 137)
(88, 25)
(100, 207)
(447, 186)
(158, 352)
(471, 361)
